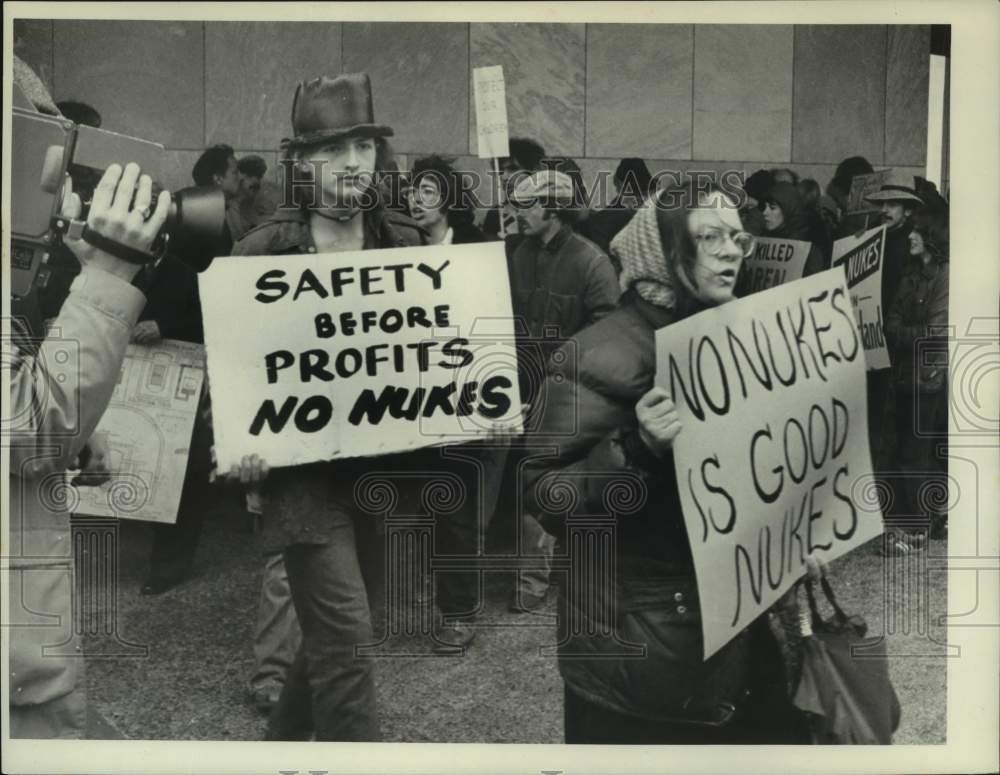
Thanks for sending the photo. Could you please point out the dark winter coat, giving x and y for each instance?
(588, 415)
(173, 301)
(919, 317)
(895, 261)
(798, 226)
(467, 234)
(562, 285)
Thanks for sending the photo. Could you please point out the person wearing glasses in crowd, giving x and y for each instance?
(681, 254)
(438, 201)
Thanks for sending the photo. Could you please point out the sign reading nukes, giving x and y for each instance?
(862, 256)
(774, 442)
(313, 357)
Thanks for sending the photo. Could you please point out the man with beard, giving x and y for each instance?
(897, 201)
(560, 283)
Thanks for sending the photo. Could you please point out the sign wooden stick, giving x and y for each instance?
(496, 170)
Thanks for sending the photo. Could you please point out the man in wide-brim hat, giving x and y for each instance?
(897, 200)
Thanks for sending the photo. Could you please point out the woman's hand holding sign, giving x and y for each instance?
(658, 421)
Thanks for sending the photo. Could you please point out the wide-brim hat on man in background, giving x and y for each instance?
(327, 109)
(898, 188)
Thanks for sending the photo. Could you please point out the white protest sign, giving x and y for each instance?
(862, 259)
(313, 357)
(774, 446)
(863, 186)
(148, 426)
(774, 262)
(491, 111)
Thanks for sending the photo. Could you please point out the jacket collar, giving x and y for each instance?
(656, 316)
(929, 270)
(559, 238)
(294, 232)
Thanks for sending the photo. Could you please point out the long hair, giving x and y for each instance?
(673, 208)
(453, 185)
(933, 228)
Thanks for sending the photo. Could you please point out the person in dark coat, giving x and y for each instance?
(673, 266)
(439, 201)
(560, 282)
(251, 206)
(916, 329)
(526, 156)
(633, 185)
(839, 189)
(173, 311)
(751, 211)
(819, 226)
(786, 217)
(897, 202)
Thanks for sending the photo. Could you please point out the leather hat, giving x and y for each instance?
(329, 108)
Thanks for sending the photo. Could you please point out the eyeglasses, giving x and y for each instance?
(429, 195)
(714, 242)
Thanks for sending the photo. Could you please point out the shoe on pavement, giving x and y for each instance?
(264, 698)
(522, 602)
(452, 636)
(901, 544)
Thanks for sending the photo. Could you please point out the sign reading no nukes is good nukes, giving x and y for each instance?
(774, 440)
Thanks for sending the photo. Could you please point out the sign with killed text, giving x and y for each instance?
(861, 257)
(148, 427)
(774, 443)
(774, 262)
(314, 357)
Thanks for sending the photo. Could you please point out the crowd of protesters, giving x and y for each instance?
(605, 276)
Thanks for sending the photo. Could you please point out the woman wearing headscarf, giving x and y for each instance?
(605, 417)
(916, 327)
(786, 217)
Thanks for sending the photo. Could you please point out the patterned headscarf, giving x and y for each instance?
(644, 264)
